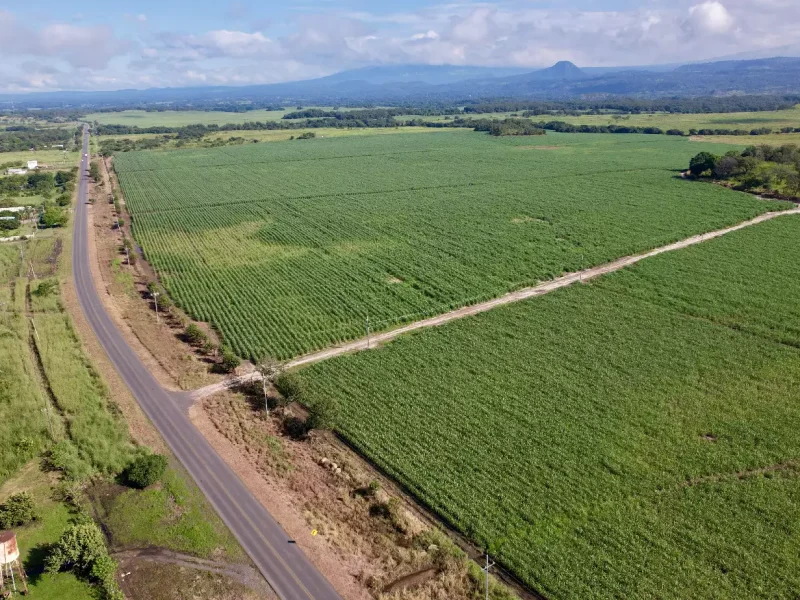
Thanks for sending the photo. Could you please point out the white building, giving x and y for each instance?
(33, 165)
(17, 171)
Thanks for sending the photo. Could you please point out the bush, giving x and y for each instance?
(291, 387)
(82, 550)
(701, 163)
(53, 216)
(18, 510)
(229, 360)
(145, 470)
(79, 547)
(194, 335)
(64, 457)
(323, 414)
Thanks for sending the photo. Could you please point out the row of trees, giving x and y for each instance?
(762, 169)
(21, 138)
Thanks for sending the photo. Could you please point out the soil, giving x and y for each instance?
(360, 538)
(154, 574)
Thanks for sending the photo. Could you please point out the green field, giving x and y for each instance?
(635, 437)
(288, 247)
(775, 119)
(179, 118)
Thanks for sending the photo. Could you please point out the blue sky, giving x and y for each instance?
(87, 44)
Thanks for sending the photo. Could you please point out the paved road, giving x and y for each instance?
(283, 564)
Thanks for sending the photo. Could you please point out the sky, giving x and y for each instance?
(86, 44)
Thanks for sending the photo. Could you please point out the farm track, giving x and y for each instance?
(377, 339)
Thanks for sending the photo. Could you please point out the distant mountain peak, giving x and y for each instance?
(563, 69)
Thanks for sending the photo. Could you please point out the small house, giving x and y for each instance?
(33, 165)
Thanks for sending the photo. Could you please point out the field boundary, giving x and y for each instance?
(374, 341)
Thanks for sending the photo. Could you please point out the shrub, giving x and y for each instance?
(64, 457)
(291, 387)
(701, 163)
(77, 549)
(82, 550)
(145, 470)
(229, 360)
(45, 288)
(194, 335)
(323, 414)
(18, 510)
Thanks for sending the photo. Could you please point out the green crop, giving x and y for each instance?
(634, 437)
(286, 248)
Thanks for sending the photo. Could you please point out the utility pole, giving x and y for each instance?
(155, 298)
(485, 569)
(367, 326)
(46, 403)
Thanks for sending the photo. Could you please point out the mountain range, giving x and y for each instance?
(448, 83)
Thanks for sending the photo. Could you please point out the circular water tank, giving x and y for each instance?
(9, 552)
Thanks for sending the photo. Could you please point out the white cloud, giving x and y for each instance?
(140, 18)
(710, 17)
(511, 32)
(90, 47)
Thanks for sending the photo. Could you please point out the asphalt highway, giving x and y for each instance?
(280, 560)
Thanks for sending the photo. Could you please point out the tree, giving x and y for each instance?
(53, 216)
(18, 510)
(229, 360)
(323, 414)
(82, 550)
(194, 335)
(145, 470)
(701, 163)
(269, 369)
(726, 167)
(77, 549)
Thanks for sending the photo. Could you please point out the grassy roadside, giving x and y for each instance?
(62, 429)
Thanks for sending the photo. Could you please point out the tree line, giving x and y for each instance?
(769, 170)
(21, 138)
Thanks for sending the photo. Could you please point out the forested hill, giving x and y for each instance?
(399, 84)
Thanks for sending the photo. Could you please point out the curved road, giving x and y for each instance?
(282, 563)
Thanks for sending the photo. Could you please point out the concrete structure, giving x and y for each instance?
(17, 171)
(33, 165)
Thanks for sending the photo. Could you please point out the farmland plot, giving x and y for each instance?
(289, 247)
(635, 437)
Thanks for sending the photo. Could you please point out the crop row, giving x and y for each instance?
(283, 275)
(636, 437)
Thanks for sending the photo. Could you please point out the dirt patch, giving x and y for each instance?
(787, 469)
(539, 147)
(394, 280)
(527, 219)
(154, 574)
(359, 536)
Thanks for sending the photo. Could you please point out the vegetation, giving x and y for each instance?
(21, 137)
(82, 549)
(145, 470)
(285, 248)
(636, 436)
(760, 169)
(18, 510)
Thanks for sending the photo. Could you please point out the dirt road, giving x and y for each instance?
(544, 288)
